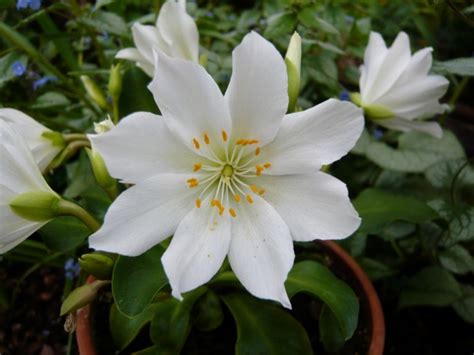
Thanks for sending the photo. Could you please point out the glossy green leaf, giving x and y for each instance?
(432, 286)
(51, 100)
(280, 25)
(136, 280)
(375, 269)
(457, 259)
(442, 173)
(377, 208)
(265, 328)
(171, 324)
(416, 152)
(317, 280)
(464, 307)
(459, 66)
(330, 333)
(135, 96)
(209, 313)
(109, 22)
(64, 233)
(461, 228)
(124, 329)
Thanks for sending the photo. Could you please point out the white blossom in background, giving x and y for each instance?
(228, 175)
(175, 34)
(399, 83)
(19, 174)
(44, 143)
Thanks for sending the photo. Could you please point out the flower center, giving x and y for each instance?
(227, 172)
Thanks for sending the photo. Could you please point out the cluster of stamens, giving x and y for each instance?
(224, 174)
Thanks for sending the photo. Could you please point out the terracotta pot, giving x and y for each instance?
(365, 288)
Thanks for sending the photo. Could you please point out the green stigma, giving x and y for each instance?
(227, 171)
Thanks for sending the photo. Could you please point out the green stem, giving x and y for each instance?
(454, 98)
(67, 208)
(67, 153)
(115, 112)
(70, 137)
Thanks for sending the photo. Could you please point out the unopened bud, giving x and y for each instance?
(81, 296)
(101, 173)
(97, 264)
(115, 81)
(94, 91)
(36, 205)
(293, 68)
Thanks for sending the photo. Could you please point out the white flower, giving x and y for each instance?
(175, 34)
(19, 175)
(393, 79)
(228, 175)
(44, 143)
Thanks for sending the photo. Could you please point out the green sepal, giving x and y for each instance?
(100, 170)
(36, 206)
(115, 81)
(81, 296)
(98, 264)
(372, 111)
(55, 137)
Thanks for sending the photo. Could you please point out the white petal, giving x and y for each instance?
(147, 39)
(134, 55)
(31, 131)
(141, 146)
(314, 206)
(373, 59)
(179, 30)
(261, 251)
(314, 137)
(197, 250)
(416, 98)
(400, 124)
(20, 172)
(144, 215)
(395, 62)
(257, 93)
(190, 100)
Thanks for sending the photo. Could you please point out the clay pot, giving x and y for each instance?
(368, 296)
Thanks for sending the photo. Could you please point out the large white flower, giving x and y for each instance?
(19, 174)
(44, 143)
(175, 34)
(228, 175)
(394, 80)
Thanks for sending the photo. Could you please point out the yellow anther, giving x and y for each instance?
(237, 198)
(261, 192)
(224, 135)
(197, 167)
(221, 210)
(267, 165)
(254, 188)
(196, 143)
(198, 203)
(252, 141)
(232, 212)
(192, 180)
(257, 151)
(249, 198)
(206, 138)
(240, 142)
(215, 203)
(259, 170)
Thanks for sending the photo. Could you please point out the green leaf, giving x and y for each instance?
(171, 324)
(328, 46)
(51, 100)
(461, 228)
(109, 22)
(316, 280)
(124, 329)
(136, 280)
(432, 286)
(459, 66)
(102, 3)
(264, 328)
(362, 143)
(64, 233)
(377, 208)
(280, 25)
(416, 152)
(330, 333)
(464, 307)
(457, 259)
(375, 269)
(135, 96)
(441, 174)
(209, 314)
(6, 62)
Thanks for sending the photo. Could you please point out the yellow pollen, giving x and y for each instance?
(267, 165)
(254, 188)
(197, 167)
(232, 212)
(257, 151)
(252, 141)
(249, 198)
(215, 203)
(221, 210)
(261, 192)
(198, 203)
(224, 135)
(240, 142)
(259, 170)
(237, 198)
(191, 180)
(196, 143)
(206, 138)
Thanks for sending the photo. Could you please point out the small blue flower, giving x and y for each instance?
(22, 4)
(35, 4)
(43, 81)
(18, 68)
(71, 269)
(378, 133)
(344, 96)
